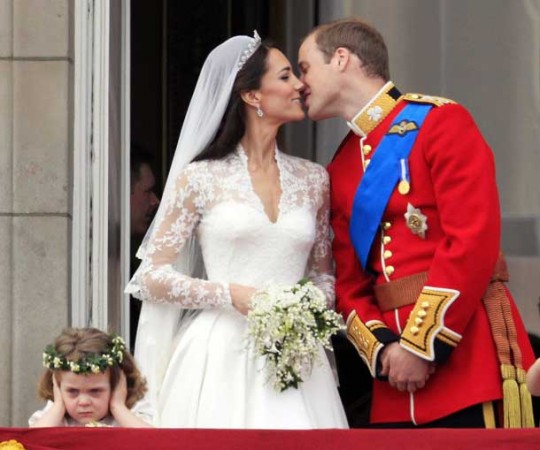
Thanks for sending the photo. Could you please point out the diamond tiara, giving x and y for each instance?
(251, 48)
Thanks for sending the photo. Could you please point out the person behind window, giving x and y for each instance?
(143, 204)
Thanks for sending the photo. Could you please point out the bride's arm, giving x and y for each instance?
(320, 269)
(159, 280)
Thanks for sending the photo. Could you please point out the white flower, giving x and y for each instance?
(74, 367)
(288, 299)
(57, 362)
(94, 368)
(287, 326)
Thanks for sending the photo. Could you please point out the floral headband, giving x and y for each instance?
(92, 363)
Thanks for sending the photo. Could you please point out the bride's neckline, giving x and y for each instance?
(278, 208)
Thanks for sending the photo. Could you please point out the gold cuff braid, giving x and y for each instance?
(426, 323)
(362, 337)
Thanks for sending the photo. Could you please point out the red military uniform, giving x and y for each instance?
(444, 230)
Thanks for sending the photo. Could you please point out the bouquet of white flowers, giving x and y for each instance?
(288, 326)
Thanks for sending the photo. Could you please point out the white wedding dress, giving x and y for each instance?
(209, 379)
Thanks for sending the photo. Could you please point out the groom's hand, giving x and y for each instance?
(405, 371)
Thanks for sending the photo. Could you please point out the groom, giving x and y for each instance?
(415, 213)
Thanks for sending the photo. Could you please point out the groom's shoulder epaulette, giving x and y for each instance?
(421, 98)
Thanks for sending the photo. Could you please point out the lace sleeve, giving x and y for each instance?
(159, 280)
(320, 269)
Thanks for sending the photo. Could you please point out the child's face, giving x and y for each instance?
(86, 397)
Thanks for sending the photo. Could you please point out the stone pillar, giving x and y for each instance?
(6, 194)
(36, 67)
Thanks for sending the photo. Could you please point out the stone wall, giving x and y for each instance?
(36, 114)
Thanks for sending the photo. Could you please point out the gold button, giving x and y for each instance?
(387, 254)
(366, 149)
(422, 313)
(414, 330)
(386, 225)
(386, 240)
(389, 270)
(425, 305)
(418, 321)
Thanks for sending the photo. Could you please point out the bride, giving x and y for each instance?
(236, 214)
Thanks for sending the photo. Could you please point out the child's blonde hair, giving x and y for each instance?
(75, 344)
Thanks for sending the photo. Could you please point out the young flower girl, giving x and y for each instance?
(91, 380)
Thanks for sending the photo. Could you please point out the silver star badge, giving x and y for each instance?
(416, 221)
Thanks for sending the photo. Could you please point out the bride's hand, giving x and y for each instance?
(241, 297)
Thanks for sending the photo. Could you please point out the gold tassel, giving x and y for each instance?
(527, 415)
(511, 401)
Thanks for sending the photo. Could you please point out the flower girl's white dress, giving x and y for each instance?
(206, 377)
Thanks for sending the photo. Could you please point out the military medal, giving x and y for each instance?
(404, 185)
(416, 221)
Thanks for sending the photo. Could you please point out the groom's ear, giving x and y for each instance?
(341, 58)
(252, 98)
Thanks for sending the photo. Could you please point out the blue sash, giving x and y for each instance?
(381, 177)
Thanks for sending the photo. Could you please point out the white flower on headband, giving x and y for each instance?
(91, 363)
(251, 48)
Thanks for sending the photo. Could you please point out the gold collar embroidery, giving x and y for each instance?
(374, 112)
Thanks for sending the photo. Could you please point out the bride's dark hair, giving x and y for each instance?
(233, 123)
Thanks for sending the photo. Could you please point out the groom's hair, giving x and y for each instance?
(360, 38)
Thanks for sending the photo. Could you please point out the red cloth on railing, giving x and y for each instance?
(158, 439)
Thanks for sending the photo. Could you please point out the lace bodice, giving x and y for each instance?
(216, 203)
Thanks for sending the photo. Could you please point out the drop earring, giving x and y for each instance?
(259, 111)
